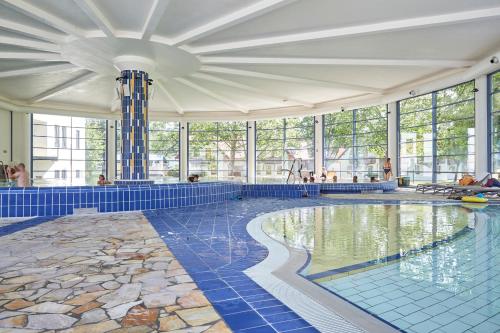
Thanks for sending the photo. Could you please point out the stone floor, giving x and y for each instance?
(106, 273)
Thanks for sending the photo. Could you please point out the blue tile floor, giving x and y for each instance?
(212, 244)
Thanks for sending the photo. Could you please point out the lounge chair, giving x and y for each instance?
(474, 189)
(448, 188)
(442, 188)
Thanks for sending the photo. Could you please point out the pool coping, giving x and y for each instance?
(323, 309)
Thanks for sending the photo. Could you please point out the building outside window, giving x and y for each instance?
(218, 150)
(77, 139)
(355, 142)
(436, 135)
(281, 141)
(494, 104)
(57, 157)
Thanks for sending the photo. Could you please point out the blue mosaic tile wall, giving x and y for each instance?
(281, 190)
(135, 125)
(358, 187)
(50, 201)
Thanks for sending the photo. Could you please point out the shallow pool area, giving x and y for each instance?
(420, 267)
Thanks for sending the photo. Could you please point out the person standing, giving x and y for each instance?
(387, 169)
(20, 175)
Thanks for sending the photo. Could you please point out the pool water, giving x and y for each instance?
(420, 267)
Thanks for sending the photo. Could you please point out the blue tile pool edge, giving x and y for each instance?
(22, 225)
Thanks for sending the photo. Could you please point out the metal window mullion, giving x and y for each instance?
(354, 148)
(434, 136)
(284, 144)
(217, 151)
(489, 124)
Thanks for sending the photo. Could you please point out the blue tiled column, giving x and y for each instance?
(134, 124)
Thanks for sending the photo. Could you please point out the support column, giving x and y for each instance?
(251, 152)
(392, 137)
(135, 126)
(318, 146)
(481, 126)
(111, 150)
(184, 151)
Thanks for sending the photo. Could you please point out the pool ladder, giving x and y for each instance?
(297, 161)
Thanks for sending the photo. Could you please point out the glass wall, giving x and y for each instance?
(494, 104)
(278, 143)
(355, 142)
(218, 150)
(68, 150)
(436, 138)
(164, 151)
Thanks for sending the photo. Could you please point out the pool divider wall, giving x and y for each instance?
(50, 201)
(56, 201)
(388, 186)
(281, 190)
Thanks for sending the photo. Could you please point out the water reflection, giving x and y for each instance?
(340, 236)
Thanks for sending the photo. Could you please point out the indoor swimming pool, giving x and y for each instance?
(419, 267)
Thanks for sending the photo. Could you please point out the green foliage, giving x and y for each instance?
(454, 125)
(369, 125)
(95, 145)
(217, 143)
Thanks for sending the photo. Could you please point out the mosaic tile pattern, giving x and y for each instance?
(111, 274)
(358, 187)
(212, 244)
(49, 201)
(135, 124)
(451, 288)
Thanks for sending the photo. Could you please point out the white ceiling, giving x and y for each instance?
(236, 57)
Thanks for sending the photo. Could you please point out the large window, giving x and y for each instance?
(164, 151)
(436, 139)
(218, 150)
(355, 142)
(281, 141)
(494, 104)
(68, 150)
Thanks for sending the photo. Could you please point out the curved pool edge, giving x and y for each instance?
(326, 311)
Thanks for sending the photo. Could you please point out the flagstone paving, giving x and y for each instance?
(99, 273)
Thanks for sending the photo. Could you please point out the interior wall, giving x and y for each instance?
(5, 152)
(21, 138)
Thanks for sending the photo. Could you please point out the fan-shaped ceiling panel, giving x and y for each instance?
(311, 15)
(234, 57)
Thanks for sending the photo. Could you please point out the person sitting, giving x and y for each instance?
(373, 179)
(102, 181)
(19, 174)
(492, 182)
(466, 180)
(355, 179)
(194, 179)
